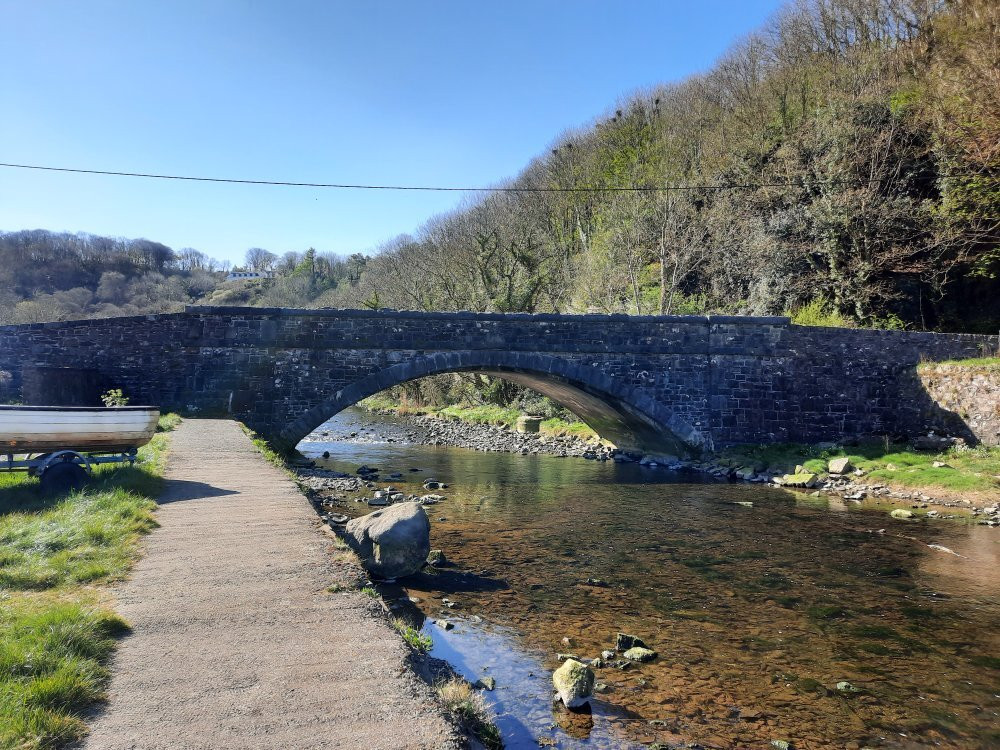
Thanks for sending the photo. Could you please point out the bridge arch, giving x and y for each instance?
(616, 411)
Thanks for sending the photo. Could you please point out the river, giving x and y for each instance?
(760, 602)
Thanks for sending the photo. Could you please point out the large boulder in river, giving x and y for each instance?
(391, 543)
(574, 681)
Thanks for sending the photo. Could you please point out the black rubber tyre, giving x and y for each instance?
(62, 478)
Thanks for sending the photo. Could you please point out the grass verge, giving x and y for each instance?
(989, 363)
(270, 454)
(56, 632)
(969, 470)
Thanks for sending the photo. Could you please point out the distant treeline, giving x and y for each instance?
(845, 159)
(50, 276)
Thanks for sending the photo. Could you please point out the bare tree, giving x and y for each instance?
(260, 260)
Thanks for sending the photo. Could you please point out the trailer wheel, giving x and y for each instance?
(62, 478)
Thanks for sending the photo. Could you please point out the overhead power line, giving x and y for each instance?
(441, 189)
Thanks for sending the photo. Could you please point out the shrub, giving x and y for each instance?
(114, 397)
(819, 312)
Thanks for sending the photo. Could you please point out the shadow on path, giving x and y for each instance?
(176, 490)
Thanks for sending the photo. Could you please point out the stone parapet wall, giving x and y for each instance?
(707, 380)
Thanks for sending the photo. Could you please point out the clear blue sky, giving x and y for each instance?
(406, 92)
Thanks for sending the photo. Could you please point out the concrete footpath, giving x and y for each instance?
(236, 641)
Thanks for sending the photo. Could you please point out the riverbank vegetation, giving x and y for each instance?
(959, 470)
(565, 424)
(469, 709)
(57, 631)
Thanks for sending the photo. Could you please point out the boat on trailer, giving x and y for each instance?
(61, 444)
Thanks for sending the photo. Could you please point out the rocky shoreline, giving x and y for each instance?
(848, 486)
(428, 430)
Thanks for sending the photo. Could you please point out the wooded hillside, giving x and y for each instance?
(846, 155)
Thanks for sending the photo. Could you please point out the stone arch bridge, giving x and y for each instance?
(674, 384)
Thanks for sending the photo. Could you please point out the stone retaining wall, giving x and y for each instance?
(970, 397)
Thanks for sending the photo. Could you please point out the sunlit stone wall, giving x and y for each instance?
(700, 381)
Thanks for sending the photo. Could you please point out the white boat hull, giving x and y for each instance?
(41, 429)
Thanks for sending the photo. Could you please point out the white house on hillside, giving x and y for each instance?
(240, 275)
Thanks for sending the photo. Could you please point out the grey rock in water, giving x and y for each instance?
(639, 653)
(436, 558)
(624, 642)
(574, 682)
(391, 543)
(839, 465)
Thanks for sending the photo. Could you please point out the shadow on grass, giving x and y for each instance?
(20, 493)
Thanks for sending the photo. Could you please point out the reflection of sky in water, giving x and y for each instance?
(732, 595)
(524, 685)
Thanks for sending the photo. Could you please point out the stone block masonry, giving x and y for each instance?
(656, 384)
(967, 397)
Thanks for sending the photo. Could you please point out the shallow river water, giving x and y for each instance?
(758, 601)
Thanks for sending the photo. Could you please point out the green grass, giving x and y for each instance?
(55, 635)
(991, 363)
(52, 657)
(168, 422)
(264, 448)
(413, 637)
(86, 537)
(379, 403)
(559, 427)
(500, 416)
(969, 470)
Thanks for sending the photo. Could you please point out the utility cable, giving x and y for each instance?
(431, 188)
